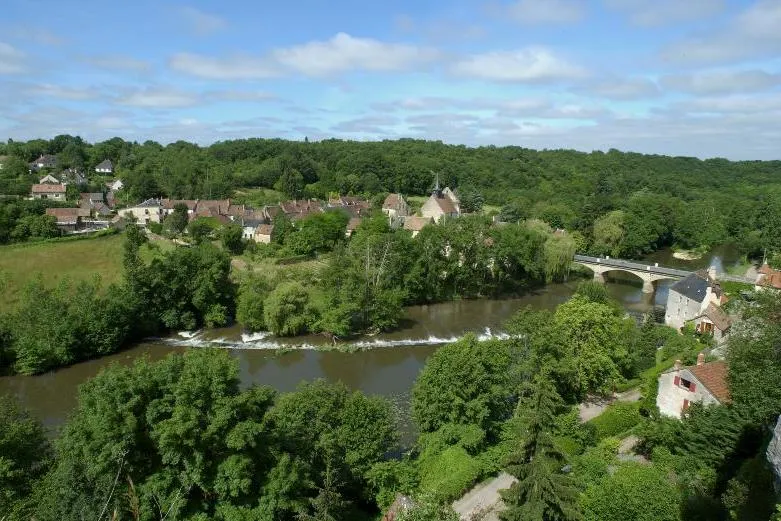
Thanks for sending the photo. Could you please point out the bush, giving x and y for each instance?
(617, 419)
(446, 476)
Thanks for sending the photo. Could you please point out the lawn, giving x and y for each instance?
(77, 260)
(258, 197)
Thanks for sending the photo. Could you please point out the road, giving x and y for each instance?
(484, 499)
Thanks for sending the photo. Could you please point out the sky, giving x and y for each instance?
(680, 77)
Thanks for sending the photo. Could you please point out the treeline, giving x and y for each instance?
(180, 439)
(185, 288)
(367, 280)
(622, 203)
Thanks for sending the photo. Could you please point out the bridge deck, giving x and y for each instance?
(652, 268)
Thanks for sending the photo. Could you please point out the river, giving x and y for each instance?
(388, 364)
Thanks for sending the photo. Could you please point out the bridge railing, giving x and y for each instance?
(620, 263)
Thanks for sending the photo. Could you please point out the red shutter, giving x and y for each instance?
(677, 380)
(692, 387)
(685, 404)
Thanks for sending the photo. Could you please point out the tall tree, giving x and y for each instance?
(543, 492)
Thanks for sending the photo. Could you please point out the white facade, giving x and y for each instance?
(149, 211)
(680, 309)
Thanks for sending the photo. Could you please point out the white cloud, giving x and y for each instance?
(721, 82)
(118, 62)
(11, 60)
(200, 22)
(67, 93)
(35, 34)
(232, 68)
(753, 34)
(666, 12)
(344, 53)
(158, 98)
(370, 124)
(529, 65)
(632, 88)
(238, 95)
(547, 11)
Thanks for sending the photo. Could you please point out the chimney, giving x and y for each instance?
(677, 365)
(701, 358)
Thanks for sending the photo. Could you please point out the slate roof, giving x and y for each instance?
(254, 223)
(105, 165)
(692, 287)
(48, 189)
(713, 375)
(150, 203)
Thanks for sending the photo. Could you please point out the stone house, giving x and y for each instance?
(262, 233)
(395, 206)
(767, 278)
(105, 167)
(51, 191)
(701, 383)
(441, 204)
(44, 161)
(713, 321)
(150, 211)
(68, 219)
(49, 179)
(689, 298)
(249, 226)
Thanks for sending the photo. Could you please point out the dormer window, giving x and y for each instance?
(686, 384)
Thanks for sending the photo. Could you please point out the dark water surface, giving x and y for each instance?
(389, 368)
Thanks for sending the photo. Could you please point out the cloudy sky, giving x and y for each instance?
(683, 77)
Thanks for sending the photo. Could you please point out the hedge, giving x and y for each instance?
(617, 419)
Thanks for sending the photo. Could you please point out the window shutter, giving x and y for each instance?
(685, 404)
(677, 380)
(692, 387)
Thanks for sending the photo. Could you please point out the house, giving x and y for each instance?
(704, 383)
(688, 298)
(49, 179)
(767, 278)
(249, 226)
(45, 161)
(95, 203)
(54, 192)
(415, 224)
(68, 219)
(441, 204)
(115, 185)
(149, 211)
(713, 321)
(296, 210)
(105, 167)
(72, 175)
(263, 233)
(354, 206)
(352, 225)
(395, 207)
(170, 204)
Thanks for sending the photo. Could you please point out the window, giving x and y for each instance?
(686, 384)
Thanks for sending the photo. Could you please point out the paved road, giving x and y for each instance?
(484, 498)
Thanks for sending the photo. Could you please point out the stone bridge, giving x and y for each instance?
(648, 273)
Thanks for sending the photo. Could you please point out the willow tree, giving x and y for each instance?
(559, 251)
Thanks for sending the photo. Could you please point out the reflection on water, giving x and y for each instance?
(389, 371)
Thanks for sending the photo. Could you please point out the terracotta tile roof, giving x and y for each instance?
(67, 214)
(219, 206)
(392, 202)
(416, 224)
(713, 375)
(48, 189)
(769, 277)
(446, 205)
(169, 204)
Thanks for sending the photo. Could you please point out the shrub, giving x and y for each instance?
(447, 475)
(617, 419)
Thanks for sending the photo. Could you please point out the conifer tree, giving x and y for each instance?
(543, 492)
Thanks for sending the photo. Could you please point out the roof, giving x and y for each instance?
(264, 229)
(46, 158)
(170, 204)
(67, 213)
(416, 224)
(392, 202)
(713, 375)
(150, 203)
(769, 277)
(253, 223)
(218, 206)
(106, 163)
(445, 204)
(353, 223)
(48, 189)
(692, 287)
(92, 196)
(717, 315)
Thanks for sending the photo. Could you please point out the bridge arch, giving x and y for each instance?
(645, 272)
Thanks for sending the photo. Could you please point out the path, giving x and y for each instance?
(484, 499)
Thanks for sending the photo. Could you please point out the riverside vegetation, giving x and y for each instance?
(178, 439)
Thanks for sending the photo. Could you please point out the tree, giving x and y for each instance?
(176, 222)
(231, 236)
(249, 308)
(287, 310)
(609, 234)
(291, 182)
(467, 382)
(471, 200)
(199, 230)
(24, 456)
(542, 491)
(36, 227)
(633, 491)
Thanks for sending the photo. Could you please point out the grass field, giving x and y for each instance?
(75, 260)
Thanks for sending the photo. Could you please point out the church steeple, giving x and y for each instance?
(437, 190)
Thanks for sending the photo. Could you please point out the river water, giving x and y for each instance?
(386, 364)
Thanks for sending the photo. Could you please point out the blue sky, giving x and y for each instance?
(682, 77)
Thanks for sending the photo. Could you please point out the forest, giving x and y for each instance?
(621, 203)
(179, 438)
